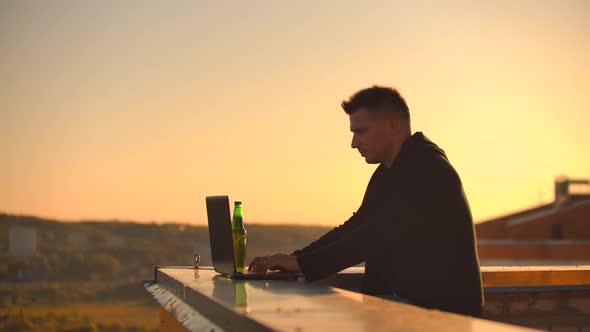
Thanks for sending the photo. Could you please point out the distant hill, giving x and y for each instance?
(115, 250)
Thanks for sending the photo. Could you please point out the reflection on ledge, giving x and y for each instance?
(231, 290)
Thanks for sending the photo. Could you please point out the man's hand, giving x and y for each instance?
(282, 262)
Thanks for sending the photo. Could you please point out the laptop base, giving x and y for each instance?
(273, 275)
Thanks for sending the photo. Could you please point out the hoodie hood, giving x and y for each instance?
(420, 145)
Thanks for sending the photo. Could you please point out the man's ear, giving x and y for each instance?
(394, 123)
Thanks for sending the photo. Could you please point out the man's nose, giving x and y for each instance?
(354, 143)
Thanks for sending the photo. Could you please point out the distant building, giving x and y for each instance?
(558, 231)
(22, 241)
(77, 238)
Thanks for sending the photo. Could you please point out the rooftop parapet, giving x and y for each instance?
(567, 188)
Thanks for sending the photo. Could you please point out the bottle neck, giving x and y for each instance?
(237, 219)
(237, 222)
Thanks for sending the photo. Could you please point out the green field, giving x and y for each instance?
(81, 316)
(87, 276)
(76, 306)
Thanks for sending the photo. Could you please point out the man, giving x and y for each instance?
(413, 230)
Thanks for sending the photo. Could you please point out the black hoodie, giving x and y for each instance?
(413, 230)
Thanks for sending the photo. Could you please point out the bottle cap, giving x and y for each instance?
(238, 203)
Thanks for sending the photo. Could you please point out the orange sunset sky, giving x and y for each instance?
(137, 110)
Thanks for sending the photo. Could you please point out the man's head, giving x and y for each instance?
(380, 123)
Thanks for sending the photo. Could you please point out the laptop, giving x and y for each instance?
(222, 250)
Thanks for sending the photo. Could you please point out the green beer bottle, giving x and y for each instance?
(239, 236)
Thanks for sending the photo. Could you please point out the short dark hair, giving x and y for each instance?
(378, 99)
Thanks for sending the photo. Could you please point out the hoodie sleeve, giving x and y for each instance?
(403, 212)
(352, 223)
(374, 234)
(335, 234)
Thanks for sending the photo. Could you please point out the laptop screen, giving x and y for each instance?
(220, 234)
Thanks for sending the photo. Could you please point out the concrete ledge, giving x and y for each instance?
(202, 300)
(210, 316)
(182, 314)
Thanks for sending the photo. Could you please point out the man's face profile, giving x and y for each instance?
(372, 135)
